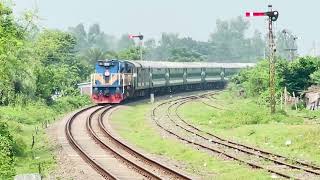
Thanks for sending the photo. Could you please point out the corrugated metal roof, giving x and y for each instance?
(167, 64)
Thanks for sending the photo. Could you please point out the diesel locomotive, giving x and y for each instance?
(116, 80)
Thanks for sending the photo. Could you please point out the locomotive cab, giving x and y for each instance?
(111, 80)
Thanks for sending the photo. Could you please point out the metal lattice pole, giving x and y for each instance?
(272, 65)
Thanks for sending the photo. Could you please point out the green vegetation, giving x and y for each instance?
(229, 42)
(138, 131)
(245, 121)
(296, 75)
(247, 118)
(18, 126)
(40, 69)
(6, 152)
(39, 72)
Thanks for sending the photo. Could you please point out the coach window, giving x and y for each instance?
(126, 68)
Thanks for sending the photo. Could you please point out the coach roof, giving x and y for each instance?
(167, 64)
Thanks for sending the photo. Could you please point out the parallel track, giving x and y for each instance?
(136, 154)
(277, 159)
(76, 146)
(111, 149)
(260, 151)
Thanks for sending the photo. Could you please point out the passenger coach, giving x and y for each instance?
(117, 80)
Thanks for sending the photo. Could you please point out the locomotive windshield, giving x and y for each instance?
(106, 64)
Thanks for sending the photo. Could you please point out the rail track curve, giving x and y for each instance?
(141, 164)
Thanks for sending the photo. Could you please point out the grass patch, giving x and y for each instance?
(138, 131)
(29, 120)
(245, 121)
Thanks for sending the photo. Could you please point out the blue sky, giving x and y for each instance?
(194, 18)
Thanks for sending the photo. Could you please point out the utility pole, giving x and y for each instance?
(290, 43)
(272, 16)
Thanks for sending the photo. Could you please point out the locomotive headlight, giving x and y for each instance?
(95, 91)
(117, 90)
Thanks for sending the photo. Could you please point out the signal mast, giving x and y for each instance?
(140, 36)
(272, 17)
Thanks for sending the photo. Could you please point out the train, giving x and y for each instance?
(115, 81)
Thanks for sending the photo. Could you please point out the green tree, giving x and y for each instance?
(80, 34)
(296, 75)
(173, 48)
(315, 77)
(94, 54)
(229, 43)
(94, 38)
(125, 43)
(12, 65)
(130, 54)
(299, 73)
(255, 80)
(61, 69)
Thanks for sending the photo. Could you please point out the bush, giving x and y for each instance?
(295, 75)
(29, 114)
(6, 152)
(69, 103)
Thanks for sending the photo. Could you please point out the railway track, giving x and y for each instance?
(132, 164)
(260, 152)
(170, 173)
(291, 169)
(80, 150)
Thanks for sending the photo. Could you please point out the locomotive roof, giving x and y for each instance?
(167, 64)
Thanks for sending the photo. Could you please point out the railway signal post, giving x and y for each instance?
(272, 16)
(140, 36)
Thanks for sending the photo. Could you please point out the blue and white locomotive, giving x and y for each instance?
(116, 80)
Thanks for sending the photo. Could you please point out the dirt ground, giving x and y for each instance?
(69, 164)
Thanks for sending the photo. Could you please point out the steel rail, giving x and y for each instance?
(246, 146)
(136, 153)
(85, 156)
(102, 144)
(214, 149)
(227, 144)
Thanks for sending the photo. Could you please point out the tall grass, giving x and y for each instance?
(28, 120)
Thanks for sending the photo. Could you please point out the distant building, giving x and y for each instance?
(85, 88)
(312, 98)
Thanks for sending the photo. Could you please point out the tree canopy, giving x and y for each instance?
(228, 43)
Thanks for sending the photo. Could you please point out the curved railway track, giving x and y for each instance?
(218, 144)
(77, 147)
(260, 152)
(133, 160)
(170, 172)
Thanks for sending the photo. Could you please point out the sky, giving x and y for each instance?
(193, 18)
